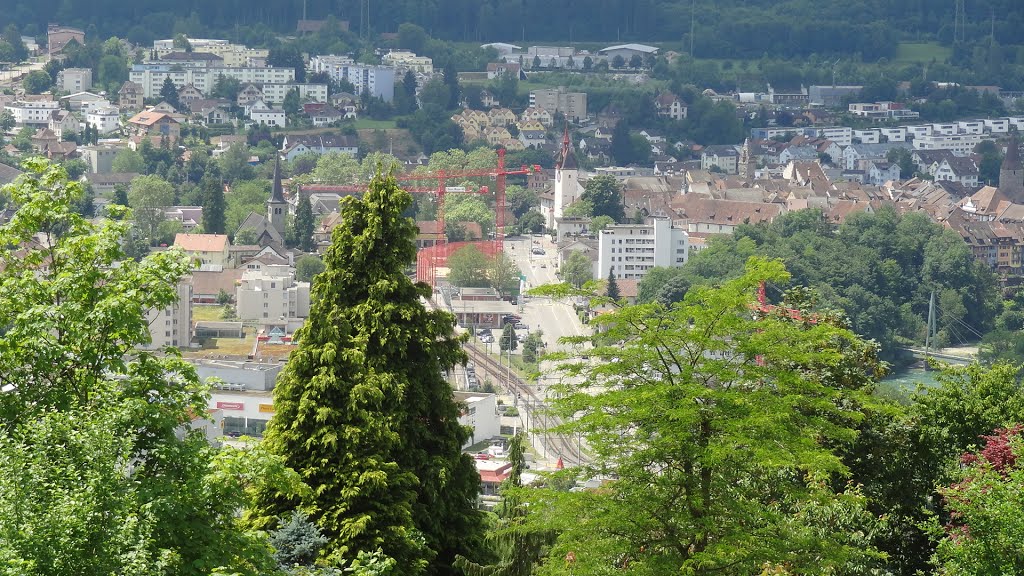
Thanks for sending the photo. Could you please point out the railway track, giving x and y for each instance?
(555, 444)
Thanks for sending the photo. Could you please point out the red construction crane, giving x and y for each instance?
(430, 258)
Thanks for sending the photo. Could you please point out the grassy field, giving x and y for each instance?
(207, 313)
(225, 347)
(370, 124)
(922, 52)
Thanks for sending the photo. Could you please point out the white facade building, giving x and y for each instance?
(572, 104)
(898, 134)
(34, 112)
(267, 116)
(567, 181)
(632, 250)
(172, 326)
(275, 93)
(408, 60)
(272, 294)
(960, 144)
(841, 135)
(105, 120)
(74, 79)
(379, 81)
(151, 76)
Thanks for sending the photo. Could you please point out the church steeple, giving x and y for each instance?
(567, 157)
(1011, 173)
(277, 205)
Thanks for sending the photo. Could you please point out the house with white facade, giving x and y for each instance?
(725, 158)
(630, 251)
(104, 120)
(263, 114)
(271, 294)
(958, 169)
(296, 145)
(172, 326)
(379, 81)
(35, 113)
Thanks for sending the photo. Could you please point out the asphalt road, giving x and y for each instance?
(556, 318)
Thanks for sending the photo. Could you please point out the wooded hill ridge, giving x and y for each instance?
(723, 29)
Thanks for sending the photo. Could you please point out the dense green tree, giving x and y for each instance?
(622, 144)
(436, 92)
(128, 161)
(719, 453)
(902, 157)
(96, 476)
(508, 339)
(305, 224)
(292, 105)
(605, 194)
(985, 503)
(618, 61)
(654, 282)
(234, 163)
(467, 268)
(611, 288)
(148, 196)
(503, 274)
(451, 80)
(521, 199)
(578, 269)
(37, 82)
(531, 223)
(245, 198)
(469, 208)
(12, 37)
(363, 411)
(599, 223)
(307, 267)
(288, 56)
(169, 93)
(214, 206)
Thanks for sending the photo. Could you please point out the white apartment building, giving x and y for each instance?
(632, 250)
(267, 116)
(233, 55)
(379, 81)
(997, 125)
(34, 112)
(105, 120)
(275, 93)
(867, 136)
(841, 135)
(919, 130)
(572, 104)
(408, 60)
(971, 126)
(272, 294)
(172, 326)
(898, 134)
(960, 144)
(151, 76)
(74, 79)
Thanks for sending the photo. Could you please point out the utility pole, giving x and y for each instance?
(693, 16)
(931, 327)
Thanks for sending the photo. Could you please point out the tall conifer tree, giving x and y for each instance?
(363, 411)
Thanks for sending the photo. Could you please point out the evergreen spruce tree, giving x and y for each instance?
(363, 411)
(517, 546)
(612, 290)
(304, 224)
(169, 93)
(214, 218)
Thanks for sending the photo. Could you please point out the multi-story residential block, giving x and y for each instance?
(841, 135)
(104, 120)
(272, 294)
(882, 111)
(379, 81)
(232, 55)
(573, 105)
(151, 76)
(897, 134)
(960, 144)
(100, 158)
(997, 125)
(868, 136)
(172, 326)
(630, 251)
(74, 79)
(276, 93)
(409, 61)
(32, 113)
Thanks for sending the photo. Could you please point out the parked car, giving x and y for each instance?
(521, 326)
(538, 251)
